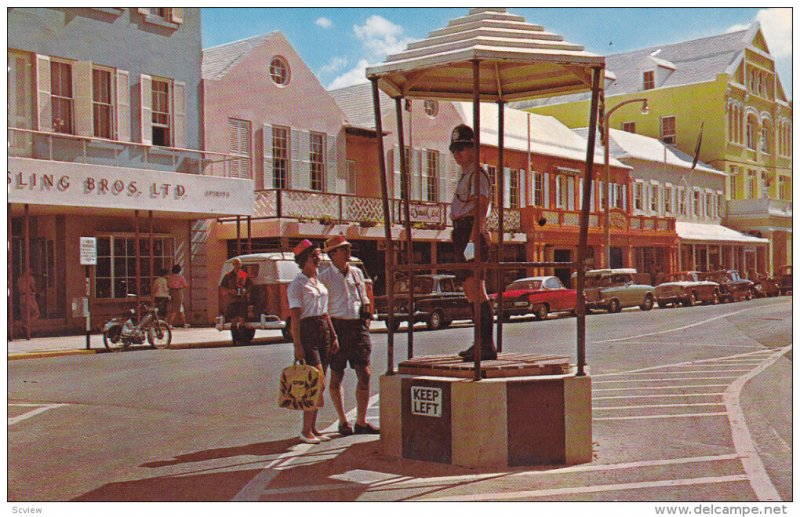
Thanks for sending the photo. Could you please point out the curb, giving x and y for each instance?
(53, 353)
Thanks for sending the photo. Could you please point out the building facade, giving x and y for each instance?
(104, 142)
(728, 86)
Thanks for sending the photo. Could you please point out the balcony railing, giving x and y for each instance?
(59, 147)
(308, 206)
(763, 207)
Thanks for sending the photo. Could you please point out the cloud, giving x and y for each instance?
(334, 65)
(356, 75)
(323, 22)
(776, 24)
(381, 37)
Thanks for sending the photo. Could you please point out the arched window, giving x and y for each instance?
(752, 134)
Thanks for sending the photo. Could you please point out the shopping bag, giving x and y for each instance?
(301, 387)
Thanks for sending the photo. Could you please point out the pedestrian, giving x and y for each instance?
(312, 330)
(234, 286)
(160, 292)
(464, 209)
(26, 285)
(177, 283)
(348, 308)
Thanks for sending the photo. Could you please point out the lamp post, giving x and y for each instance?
(606, 145)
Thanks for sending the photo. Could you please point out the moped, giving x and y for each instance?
(124, 330)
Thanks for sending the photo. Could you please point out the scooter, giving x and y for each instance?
(124, 330)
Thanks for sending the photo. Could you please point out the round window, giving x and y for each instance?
(279, 71)
(431, 108)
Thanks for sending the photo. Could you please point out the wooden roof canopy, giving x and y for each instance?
(518, 61)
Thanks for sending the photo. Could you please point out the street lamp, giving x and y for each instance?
(606, 144)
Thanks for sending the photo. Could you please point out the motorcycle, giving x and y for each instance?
(124, 330)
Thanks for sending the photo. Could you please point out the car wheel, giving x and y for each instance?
(690, 300)
(648, 303)
(614, 306)
(395, 325)
(714, 298)
(748, 295)
(435, 320)
(541, 313)
(286, 331)
(662, 305)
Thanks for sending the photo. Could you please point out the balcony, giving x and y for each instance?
(572, 219)
(58, 147)
(745, 208)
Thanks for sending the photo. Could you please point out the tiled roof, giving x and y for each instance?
(640, 147)
(217, 61)
(356, 103)
(695, 61)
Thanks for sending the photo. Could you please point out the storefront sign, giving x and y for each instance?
(426, 401)
(88, 251)
(42, 182)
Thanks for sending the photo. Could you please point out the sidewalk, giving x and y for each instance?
(201, 337)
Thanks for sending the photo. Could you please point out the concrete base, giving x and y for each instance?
(514, 421)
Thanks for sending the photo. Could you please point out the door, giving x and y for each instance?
(615, 258)
(563, 273)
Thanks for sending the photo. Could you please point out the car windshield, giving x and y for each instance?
(592, 281)
(718, 277)
(735, 276)
(525, 284)
(421, 285)
(680, 277)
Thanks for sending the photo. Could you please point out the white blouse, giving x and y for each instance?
(308, 294)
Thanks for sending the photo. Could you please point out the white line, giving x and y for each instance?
(698, 404)
(742, 441)
(663, 387)
(588, 489)
(34, 412)
(703, 322)
(654, 379)
(659, 396)
(678, 372)
(713, 362)
(648, 417)
(255, 487)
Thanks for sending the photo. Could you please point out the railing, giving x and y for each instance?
(759, 207)
(59, 147)
(571, 219)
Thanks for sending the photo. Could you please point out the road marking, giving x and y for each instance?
(41, 408)
(663, 387)
(645, 406)
(587, 489)
(647, 417)
(654, 379)
(660, 396)
(742, 441)
(679, 372)
(255, 487)
(703, 322)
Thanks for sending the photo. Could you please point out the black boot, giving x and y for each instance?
(488, 350)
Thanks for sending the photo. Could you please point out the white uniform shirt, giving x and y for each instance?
(309, 295)
(347, 291)
(464, 199)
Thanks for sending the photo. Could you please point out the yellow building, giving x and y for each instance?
(728, 85)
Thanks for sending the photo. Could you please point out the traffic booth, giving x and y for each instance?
(520, 409)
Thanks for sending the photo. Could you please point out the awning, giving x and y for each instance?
(699, 233)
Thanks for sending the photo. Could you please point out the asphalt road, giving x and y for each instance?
(689, 404)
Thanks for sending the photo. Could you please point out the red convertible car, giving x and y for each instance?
(537, 295)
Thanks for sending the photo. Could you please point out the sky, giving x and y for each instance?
(338, 43)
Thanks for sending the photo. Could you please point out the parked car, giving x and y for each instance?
(686, 288)
(764, 286)
(732, 286)
(438, 300)
(268, 306)
(615, 289)
(784, 277)
(537, 295)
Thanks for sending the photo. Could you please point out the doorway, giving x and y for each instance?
(563, 273)
(615, 258)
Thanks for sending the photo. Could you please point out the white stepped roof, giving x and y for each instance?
(519, 60)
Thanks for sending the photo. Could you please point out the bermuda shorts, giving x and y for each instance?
(462, 234)
(316, 339)
(355, 345)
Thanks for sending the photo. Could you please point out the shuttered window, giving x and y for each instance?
(432, 174)
(239, 146)
(161, 113)
(61, 97)
(280, 157)
(538, 189)
(102, 103)
(513, 188)
(317, 159)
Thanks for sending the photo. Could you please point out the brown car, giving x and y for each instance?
(686, 288)
(732, 286)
